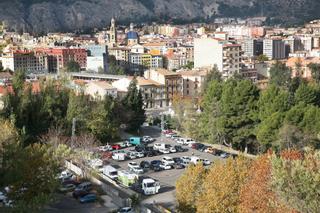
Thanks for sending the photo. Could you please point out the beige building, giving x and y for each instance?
(192, 82)
(171, 80)
(100, 89)
(153, 93)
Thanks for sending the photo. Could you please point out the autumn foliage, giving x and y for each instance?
(284, 183)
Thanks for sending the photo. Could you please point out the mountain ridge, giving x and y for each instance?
(68, 15)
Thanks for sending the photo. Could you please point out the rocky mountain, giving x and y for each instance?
(68, 15)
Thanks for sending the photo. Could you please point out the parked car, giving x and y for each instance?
(155, 165)
(131, 155)
(179, 166)
(140, 154)
(172, 150)
(2, 196)
(165, 166)
(175, 137)
(224, 155)
(195, 160)
(147, 139)
(116, 146)
(177, 160)
(180, 148)
(67, 188)
(86, 186)
(197, 146)
(88, 198)
(126, 210)
(79, 193)
(65, 174)
(185, 160)
(158, 146)
(206, 162)
(168, 135)
(145, 164)
(167, 161)
(135, 168)
(105, 148)
(202, 148)
(166, 131)
(164, 150)
(210, 150)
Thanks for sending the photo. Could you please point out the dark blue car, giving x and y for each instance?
(88, 198)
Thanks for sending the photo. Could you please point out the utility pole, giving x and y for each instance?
(73, 131)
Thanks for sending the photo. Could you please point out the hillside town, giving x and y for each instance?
(167, 59)
(202, 117)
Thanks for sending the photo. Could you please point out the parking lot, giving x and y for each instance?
(167, 178)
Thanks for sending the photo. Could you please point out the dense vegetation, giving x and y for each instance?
(285, 183)
(35, 130)
(237, 114)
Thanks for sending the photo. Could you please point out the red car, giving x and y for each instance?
(167, 131)
(116, 146)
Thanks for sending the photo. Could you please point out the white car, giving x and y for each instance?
(168, 135)
(172, 150)
(65, 174)
(164, 150)
(206, 162)
(165, 167)
(147, 139)
(186, 159)
(131, 155)
(167, 161)
(134, 167)
(105, 148)
(158, 146)
(139, 154)
(2, 196)
(180, 141)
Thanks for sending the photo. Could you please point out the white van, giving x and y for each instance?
(110, 172)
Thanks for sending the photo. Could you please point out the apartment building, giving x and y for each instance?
(210, 52)
(62, 56)
(274, 49)
(192, 82)
(252, 47)
(29, 61)
(172, 82)
(141, 62)
(153, 93)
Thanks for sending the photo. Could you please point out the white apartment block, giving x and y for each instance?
(210, 52)
(274, 49)
(28, 61)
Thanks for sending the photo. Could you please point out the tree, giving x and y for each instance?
(290, 137)
(262, 58)
(315, 72)
(280, 75)
(214, 74)
(221, 186)
(189, 188)
(256, 194)
(238, 106)
(79, 108)
(306, 94)
(102, 122)
(133, 102)
(31, 174)
(296, 181)
(73, 66)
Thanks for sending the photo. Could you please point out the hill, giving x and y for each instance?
(68, 15)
